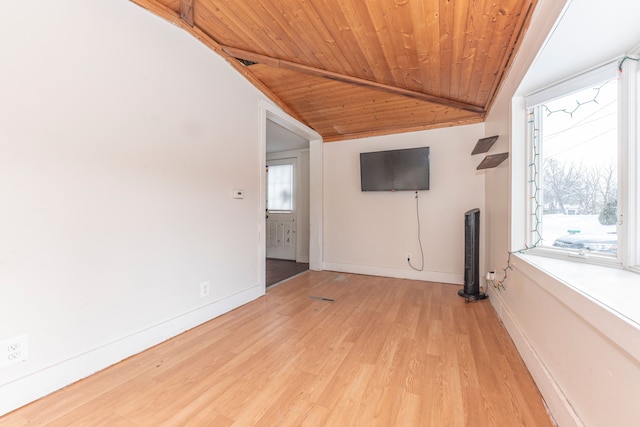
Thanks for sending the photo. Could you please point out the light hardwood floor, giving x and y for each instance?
(387, 352)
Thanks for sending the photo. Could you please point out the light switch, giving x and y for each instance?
(238, 194)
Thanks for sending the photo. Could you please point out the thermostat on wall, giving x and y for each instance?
(238, 194)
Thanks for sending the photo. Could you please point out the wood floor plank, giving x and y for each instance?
(386, 352)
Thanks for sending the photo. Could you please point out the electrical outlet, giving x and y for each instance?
(205, 288)
(407, 256)
(14, 350)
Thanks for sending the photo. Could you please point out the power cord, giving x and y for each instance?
(419, 240)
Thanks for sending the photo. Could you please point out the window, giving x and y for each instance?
(581, 164)
(280, 188)
(577, 154)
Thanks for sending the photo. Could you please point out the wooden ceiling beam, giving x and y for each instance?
(281, 63)
(186, 11)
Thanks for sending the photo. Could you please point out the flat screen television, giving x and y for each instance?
(395, 170)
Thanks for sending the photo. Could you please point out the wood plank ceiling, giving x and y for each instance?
(355, 68)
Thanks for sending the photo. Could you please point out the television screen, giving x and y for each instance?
(395, 170)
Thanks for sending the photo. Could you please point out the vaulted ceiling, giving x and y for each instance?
(355, 68)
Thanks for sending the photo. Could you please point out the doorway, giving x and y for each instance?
(285, 137)
(287, 204)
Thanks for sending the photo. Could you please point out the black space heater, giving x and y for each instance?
(471, 290)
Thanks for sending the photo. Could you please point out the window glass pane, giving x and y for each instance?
(280, 188)
(578, 160)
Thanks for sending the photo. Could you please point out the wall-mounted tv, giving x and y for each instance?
(395, 170)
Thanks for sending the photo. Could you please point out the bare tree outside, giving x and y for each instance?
(584, 190)
(579, 171)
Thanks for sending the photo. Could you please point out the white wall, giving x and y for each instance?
(370, 232)
(585, 377)
(122, 138)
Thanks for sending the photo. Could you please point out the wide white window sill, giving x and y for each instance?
(607, 297)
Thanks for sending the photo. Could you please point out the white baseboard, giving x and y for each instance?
(558, 405)
(429, 276)
(27, 389)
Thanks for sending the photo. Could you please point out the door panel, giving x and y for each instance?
(287, 233)
(272, 236)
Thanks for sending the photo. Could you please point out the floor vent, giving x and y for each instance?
(322, 299)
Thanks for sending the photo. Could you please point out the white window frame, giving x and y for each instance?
(628, 255)
(630, 161)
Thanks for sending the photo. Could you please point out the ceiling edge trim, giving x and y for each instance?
(390, 131)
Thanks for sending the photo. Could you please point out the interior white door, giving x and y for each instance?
(281, 212)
